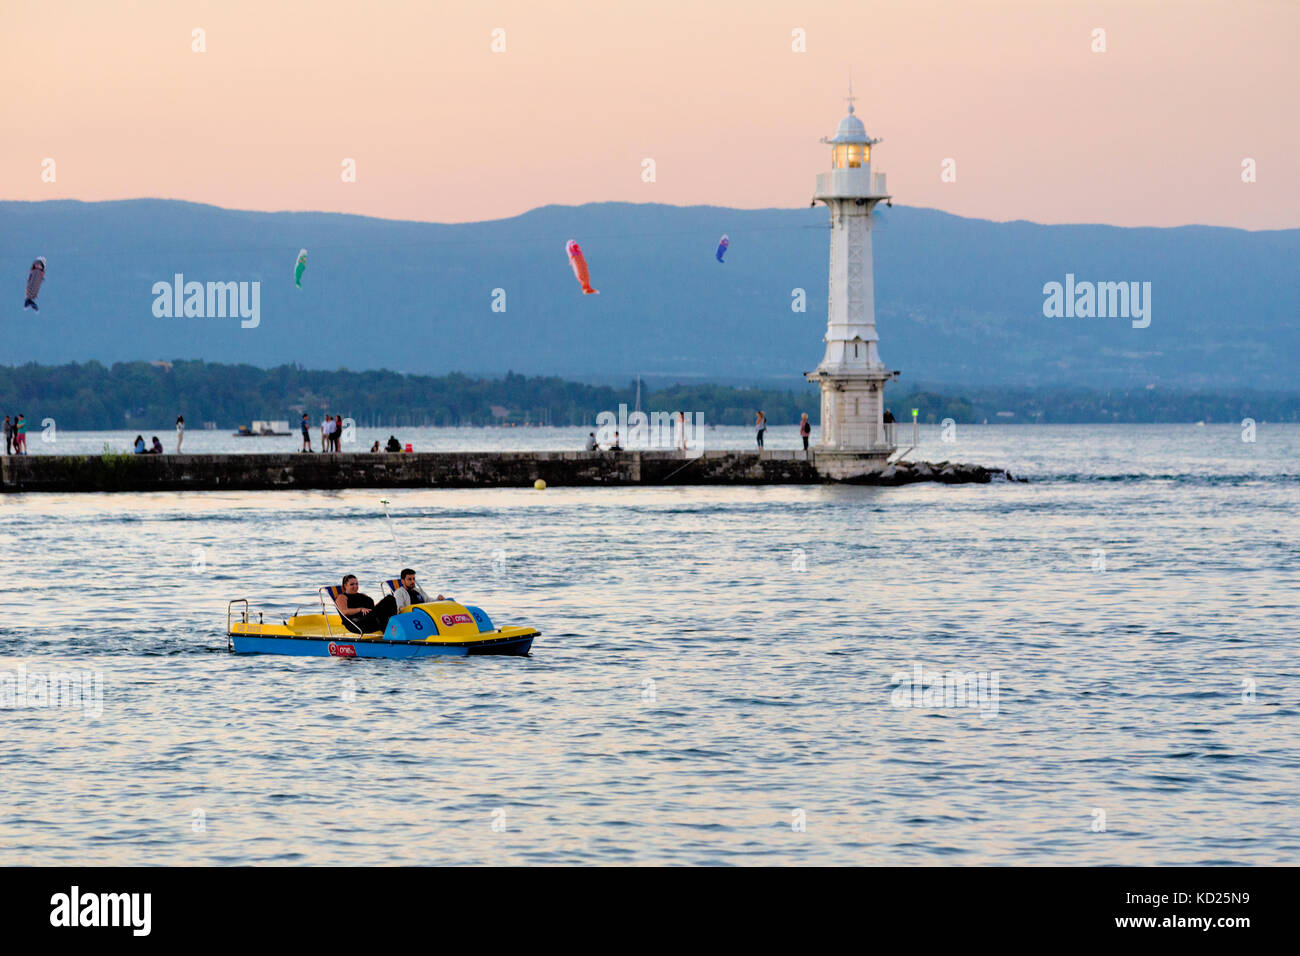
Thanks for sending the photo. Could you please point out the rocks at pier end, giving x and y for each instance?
(949, 473)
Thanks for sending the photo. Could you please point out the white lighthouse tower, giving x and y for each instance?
(854, 439)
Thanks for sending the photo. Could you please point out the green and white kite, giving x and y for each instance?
(300, 268)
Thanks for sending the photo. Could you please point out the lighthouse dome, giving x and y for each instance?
(851, 130)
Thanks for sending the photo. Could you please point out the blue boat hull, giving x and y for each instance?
(326, 647)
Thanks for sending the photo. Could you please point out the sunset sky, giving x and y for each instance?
(1153, 131)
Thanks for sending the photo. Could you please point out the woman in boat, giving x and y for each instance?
(359, 611)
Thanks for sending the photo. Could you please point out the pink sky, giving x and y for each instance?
(1151, 132)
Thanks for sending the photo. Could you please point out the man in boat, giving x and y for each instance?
(411, 593)
(359, 611)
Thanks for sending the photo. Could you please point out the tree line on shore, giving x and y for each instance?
(131, 395)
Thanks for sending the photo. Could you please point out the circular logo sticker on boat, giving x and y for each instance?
(342, 650)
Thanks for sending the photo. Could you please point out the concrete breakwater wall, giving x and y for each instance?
(97, 473)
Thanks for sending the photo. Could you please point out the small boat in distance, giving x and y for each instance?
(260, 429)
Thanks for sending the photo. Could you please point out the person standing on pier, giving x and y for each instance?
(306, 433)
(20, 436)
(760, 423)
(805, 429)
(9, 435)
(180, 432)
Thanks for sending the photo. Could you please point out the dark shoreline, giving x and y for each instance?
(140, 396)
(112, 472)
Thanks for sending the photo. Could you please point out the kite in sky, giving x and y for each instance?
(722, 247)
(300, 268)
(34, 280)
(579, 263)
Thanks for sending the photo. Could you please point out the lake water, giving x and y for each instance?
(721, 671)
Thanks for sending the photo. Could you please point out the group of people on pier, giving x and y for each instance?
(15, 435)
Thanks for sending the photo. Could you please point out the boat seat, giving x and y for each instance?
(392, 584)
(332, 591)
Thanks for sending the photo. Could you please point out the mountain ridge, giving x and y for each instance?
(958, 298)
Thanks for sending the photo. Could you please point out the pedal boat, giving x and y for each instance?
(435, 629)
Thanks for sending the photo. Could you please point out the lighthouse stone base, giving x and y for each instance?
(848, 465)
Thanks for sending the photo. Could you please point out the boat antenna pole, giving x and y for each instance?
(397, 548)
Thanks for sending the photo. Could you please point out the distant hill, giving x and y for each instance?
(958, 300)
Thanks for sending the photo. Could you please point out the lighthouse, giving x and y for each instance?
(854, 439)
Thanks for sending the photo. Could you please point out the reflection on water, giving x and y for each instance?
(712, 660)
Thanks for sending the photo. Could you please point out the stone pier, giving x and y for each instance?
(471, 469)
